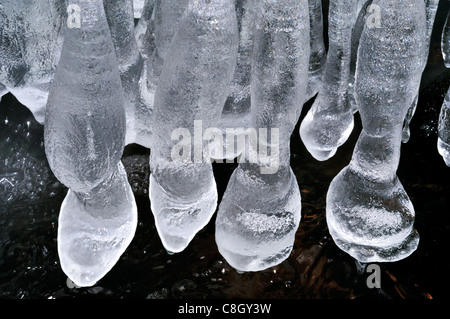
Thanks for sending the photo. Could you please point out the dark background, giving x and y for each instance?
(30, 197)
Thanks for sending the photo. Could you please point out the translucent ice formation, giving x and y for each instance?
(445, 42)
(84, 141)
(119, 14)
(431, 7)
(12, 64)
(30, 44)
(444, 117)
(138, 8)
(365, 16)
(155, 46)
(329, 122)
(192, 89)
(3, 91)
(260, 211)
(235, 119)
(444, 130)
(144, 30)
(369, 214)
(318, 54)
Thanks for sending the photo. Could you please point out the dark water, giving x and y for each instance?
(30, 198)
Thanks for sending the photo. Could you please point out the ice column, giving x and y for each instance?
(431, 7)
(369, 214)
(191, 92)
(144, 36)
(119, 14)
(318, 53)
(157, 40)
(444, 130)
(12, 65)
(444, 117)
(329, 122)
(445, 42)
(367, 14)
(261, 208)
(138, 8)
(235, 119)
(3, 91)
(84, 141)
(30, 45)
(167, 16)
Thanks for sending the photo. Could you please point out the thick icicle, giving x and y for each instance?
(84, 141)
(261, 208)
(369, 214)
(119, 14)
(191, 92)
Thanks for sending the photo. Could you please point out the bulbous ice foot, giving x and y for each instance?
(444, 151)
(256, 221)
(95, 229)
(322, 134)
(371, 221)
(181, 213)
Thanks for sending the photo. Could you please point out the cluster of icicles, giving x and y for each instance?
(203, 80)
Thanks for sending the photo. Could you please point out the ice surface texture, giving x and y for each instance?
(144, 29)
(3, 91)
(30, 45)
(431, 7)
(84, 140)
(444, 130)
(444, 117)
(236, 111)
(198, 68)
(369, 213)
(318, 54)
(138, 6)
(156, 34)
(260, 212)
(121, 21)
(335, 104)
(329, 122)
